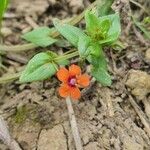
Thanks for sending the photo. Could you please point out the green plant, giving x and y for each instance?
(3, 6)
(100, 31)
(88, 44)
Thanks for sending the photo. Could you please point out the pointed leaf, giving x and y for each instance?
(40, 67)
(102, 76)
(114, 30)
(142, 28)
(92, 22)
(99, 70)
(40, 36)
(83, 45)
(70, 32)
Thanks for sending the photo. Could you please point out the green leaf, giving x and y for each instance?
(40, 67)
(63, 62)
(102, 76)
(105, 26)
(3, 6)
(104, 7)
(59, 61)
(95, 27)
(71, 33)
(99, 70)
(114, 30)
(98, 60)
(142, 28)
(92, 22)
(118, 46)
(83, 44)
(40, 36)
(146, 20)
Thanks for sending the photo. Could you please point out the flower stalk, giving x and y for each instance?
(73, 123)
(67, 56)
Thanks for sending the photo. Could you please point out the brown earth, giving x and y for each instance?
(114, 118)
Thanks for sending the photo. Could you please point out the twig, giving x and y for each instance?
(5, 136)
(139, 35)
(17, 58)
(140, 114)
(31, 22)
(146, 103)
(139, 5)
(74, 126)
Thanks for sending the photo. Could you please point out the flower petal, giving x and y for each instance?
(83, 80)
(63, 74)
(74, 70)
(64, 90)
(75, 93)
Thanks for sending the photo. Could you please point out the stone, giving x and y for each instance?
(92, 146)
(52, 139)
(139, 83)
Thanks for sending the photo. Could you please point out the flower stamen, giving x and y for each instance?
(72, 81)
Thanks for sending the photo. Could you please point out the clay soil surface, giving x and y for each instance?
(109, 118)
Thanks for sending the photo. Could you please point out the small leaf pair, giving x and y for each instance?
(105, 29)
(41, 67)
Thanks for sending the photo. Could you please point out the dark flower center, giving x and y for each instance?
(72, 81)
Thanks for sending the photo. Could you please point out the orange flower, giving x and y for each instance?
(72, 80)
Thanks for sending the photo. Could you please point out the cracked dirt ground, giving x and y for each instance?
(38, 118)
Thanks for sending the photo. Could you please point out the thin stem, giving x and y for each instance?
(3, 67)
(10, 77)
(73, 123)
(17, 48)
(70, 51)
(68, 56)
(55, 66)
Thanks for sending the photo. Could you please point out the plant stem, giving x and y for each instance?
(3, 67)
(10, 77)
(73, 124)
(68, 56)
(70, 51)
(17, 48)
